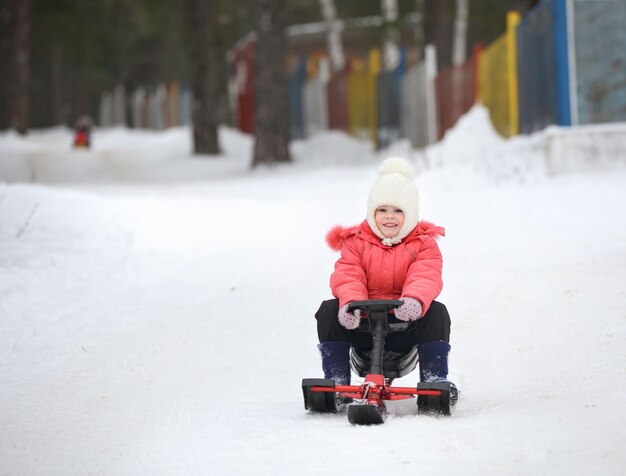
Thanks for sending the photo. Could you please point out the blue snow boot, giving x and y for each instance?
(336, 361)
(336, 366)
(433, 360)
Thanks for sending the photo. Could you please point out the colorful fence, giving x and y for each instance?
(162, 107)
(563, 63)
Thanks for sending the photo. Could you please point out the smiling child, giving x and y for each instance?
(390, 255)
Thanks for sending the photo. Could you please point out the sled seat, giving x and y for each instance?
(395, 364)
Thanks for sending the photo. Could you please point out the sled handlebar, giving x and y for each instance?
(374, 306)
(378, 310)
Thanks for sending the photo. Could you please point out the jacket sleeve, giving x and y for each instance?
(348, 282)
(423, 281)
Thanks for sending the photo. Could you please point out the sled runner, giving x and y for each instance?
(379, 367)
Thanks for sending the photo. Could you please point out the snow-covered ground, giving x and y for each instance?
(156, 309)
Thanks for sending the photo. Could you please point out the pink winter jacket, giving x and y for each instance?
(367, 269)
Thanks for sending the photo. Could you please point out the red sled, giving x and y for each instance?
(379, 367)
(81, 140)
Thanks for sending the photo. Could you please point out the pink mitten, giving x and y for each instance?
(410, 310)
(347, 319)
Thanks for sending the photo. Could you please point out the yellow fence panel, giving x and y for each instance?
(512, 20)
(494, 84)
(362, 97)
(359, 100)
(497, 77)
(374, 69)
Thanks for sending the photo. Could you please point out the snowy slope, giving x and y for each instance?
(156, 310)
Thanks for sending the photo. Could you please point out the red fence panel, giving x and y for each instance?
(456, 92)
(338, 102)
(243, 64)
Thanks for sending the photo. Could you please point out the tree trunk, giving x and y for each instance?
(202, 27)
(438, 20)
(58, 113)
(391, 38)
(333, 35)
(271, 106)
(459, 52)
(418, 33)
(16, 49)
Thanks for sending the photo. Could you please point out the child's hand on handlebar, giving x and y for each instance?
(411, 310)
(349, 320)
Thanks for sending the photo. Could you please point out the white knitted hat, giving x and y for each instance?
(396, 187)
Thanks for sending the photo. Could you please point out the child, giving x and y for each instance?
(82, 132)
(391, 255)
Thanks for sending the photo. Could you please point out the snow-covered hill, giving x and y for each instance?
(156, 309)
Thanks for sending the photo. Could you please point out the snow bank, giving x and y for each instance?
(585, 149)
(156, 315)
(118, 155)
(472, 146)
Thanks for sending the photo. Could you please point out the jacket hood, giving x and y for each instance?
(336, 235)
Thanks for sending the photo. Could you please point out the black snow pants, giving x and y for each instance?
(434, 326)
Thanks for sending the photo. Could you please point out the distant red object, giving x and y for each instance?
(82, 134)
(81, 139)
(242, 64)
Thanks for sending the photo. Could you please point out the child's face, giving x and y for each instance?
(389, 220)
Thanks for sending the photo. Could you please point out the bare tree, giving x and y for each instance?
(201, 18)
(333, 35)
(391, 40)
(438, 21)
(271, 107)
(419, 30)
(459, 52)
(17, 18)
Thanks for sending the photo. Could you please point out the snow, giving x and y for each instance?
(156, 309)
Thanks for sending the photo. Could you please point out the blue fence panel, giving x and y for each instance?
(543, 67)
(535, 69)
(600, 58)
(561, 62)
(389, 94)
(296, 83)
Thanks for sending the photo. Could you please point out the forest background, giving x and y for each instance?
(58, 56)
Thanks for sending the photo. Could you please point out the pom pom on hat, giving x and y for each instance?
(397, 165)
(396, 187)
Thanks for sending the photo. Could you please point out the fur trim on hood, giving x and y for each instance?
(337, 234)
